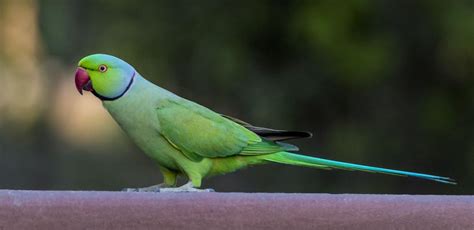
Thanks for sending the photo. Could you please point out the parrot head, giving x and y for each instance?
(106, 76)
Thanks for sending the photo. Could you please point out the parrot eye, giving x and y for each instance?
(102, 68)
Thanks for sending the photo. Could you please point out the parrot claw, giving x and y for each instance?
(131, 190)
(154, 188)
(165, 188)
(188, 187)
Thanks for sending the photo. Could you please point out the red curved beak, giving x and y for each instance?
(83, 81)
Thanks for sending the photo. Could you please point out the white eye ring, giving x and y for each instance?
(102, 68)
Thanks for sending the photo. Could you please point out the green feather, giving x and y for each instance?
(302, 160)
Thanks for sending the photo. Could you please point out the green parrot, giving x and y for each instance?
(188, 139)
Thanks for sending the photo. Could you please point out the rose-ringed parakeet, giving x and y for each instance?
(188, 139)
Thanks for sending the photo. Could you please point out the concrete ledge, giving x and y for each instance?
(118, 210)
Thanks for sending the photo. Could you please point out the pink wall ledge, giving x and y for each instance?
(120, 210)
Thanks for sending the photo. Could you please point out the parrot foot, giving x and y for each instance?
(154, 188)
(188, 187)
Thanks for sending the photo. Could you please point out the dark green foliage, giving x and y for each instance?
(382, 83)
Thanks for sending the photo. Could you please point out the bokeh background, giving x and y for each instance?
(384, 83)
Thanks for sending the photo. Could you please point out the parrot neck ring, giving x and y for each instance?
(103, 98)
(83, 82)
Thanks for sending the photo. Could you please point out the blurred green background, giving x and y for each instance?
(384, 83)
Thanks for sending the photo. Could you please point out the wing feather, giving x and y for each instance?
(201, 133)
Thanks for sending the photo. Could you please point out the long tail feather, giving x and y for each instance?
(314, 162)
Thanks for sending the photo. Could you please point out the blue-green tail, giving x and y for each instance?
(314, 162)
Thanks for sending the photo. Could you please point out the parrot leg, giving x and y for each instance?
(169, 177)
(188, 187)
(153, 188)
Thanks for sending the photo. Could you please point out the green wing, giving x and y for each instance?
(201, 133)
